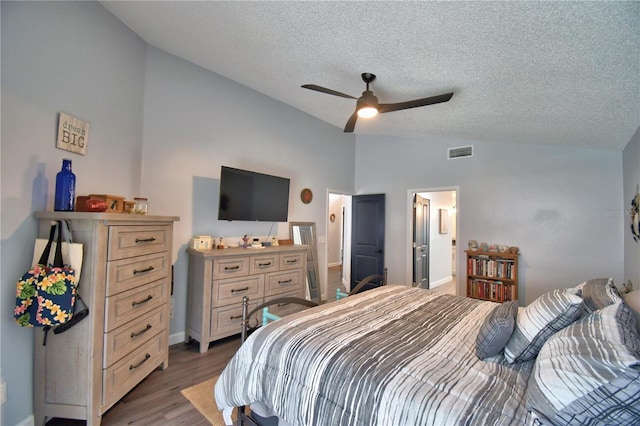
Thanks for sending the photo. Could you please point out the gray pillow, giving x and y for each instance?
(598, 293)
(589, 373)
(545, 316)
(496, 330)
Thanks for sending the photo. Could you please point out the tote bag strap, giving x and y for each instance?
(45, 253)
(67, 235)
(57, 256)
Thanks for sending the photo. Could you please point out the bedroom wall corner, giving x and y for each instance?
(631, 178)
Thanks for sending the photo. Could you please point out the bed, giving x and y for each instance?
(399, 355)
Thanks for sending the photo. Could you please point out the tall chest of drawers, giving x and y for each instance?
(220, 278)
(126, 284)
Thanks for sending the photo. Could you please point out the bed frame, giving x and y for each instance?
(253, 419)
(370, 280)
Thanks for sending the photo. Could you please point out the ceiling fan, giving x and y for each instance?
(368, 106)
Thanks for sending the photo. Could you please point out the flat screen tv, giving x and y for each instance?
(251, 196)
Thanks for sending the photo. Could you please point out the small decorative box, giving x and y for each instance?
(115, 203)
(201, 242)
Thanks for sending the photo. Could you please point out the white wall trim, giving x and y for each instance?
(29, 421)
(176, 338)
(443, 281)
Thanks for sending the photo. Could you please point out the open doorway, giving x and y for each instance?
(355, 241)
(432, 233)
(338, 246)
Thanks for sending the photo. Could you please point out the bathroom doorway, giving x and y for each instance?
(433, 240)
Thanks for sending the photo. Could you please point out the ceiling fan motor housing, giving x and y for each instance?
(369, 99)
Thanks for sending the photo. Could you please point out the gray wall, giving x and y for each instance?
(59, 57)
(554, 203)
(195, 121)
(631, 159)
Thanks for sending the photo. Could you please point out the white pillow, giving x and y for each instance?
(588, 372)
(545, 316)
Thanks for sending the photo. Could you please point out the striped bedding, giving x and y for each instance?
(394, 355)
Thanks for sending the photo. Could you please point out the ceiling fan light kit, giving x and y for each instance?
(367, 105)
(367, 112)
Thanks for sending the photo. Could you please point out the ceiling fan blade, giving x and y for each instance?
(351, 124)
(325, 90)
(415, 103)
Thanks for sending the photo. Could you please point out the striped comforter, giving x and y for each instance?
(390, 356)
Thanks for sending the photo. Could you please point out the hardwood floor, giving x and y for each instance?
(448, 288)
(157, 399)
(334, 281)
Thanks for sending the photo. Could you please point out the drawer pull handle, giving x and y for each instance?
(136, 271)
(292, 261)
(134, 303)
(237, 290)
(285, 281)
(145, 240)
(141, 332)
(264, 265)
(133, 367)
(235, 317)
(231, 268)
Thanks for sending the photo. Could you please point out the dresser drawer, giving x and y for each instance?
(278, 282)
(231, 267)
(131, 304)
(291, 260)
(232, 290)
(130, 370)
(283, 309)
(129, 241)
(126, 274)
(227, 320)
(122, 340)
(262, 264)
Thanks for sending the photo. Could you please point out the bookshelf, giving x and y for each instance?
(492, 276)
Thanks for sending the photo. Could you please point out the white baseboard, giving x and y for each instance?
(29, 421)
(441, 282)
(176, 338)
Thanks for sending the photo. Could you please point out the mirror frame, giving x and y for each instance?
(308, 229)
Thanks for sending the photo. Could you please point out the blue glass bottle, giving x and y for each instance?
(65, 188)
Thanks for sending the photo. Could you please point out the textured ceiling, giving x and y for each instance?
(564, 73)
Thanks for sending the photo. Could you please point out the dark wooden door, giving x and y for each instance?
(367, 237)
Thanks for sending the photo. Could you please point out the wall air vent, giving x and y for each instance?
(460, 152)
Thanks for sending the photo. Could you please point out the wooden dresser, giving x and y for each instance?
(220, 278)
(126, 284)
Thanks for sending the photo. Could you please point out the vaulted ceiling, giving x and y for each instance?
(562, 73)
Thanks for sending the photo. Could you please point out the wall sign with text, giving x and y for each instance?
(73, 134)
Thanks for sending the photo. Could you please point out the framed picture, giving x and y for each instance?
(73, 134)
(444, 221)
